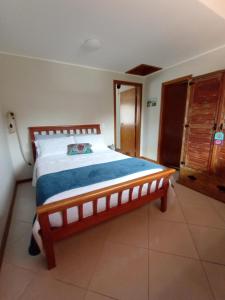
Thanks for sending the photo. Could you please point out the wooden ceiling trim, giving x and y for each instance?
(143, 70)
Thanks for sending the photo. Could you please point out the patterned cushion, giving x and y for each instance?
(83, 148)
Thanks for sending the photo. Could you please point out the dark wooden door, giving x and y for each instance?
(202, 121)
(128, 122)
(173, 113)
(218, 157)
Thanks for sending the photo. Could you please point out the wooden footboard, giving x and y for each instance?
(50, 235)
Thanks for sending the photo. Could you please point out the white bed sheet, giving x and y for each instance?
(58, 163)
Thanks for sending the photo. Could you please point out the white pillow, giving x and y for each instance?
(53, 146)
(96, 141)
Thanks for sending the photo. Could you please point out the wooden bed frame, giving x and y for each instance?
(50, 235)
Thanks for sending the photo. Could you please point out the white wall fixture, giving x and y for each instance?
(11, 122)
(152, 102)
(13, 129)
(92, 44)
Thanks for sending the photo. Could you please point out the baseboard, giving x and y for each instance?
(9, 218)
(7, 225)
(23, 180)
(151, 160)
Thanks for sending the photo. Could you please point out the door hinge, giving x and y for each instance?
(191, 82)
(182, 163)
(186, 125)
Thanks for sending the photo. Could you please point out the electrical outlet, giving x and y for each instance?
(11, 122)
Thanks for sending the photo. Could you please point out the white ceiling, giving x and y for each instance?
(156, 32)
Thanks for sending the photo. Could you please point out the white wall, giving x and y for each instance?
(6, 174)
(47, 93)
(150, 126)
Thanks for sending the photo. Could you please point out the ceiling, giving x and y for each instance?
(155, 32)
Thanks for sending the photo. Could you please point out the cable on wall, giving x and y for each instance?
(12, 127)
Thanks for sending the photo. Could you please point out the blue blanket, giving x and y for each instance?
(51, 184)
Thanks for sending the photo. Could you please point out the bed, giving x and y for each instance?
(119, 184)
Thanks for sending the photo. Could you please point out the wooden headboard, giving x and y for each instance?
(67, 129)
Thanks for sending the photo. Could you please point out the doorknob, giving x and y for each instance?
(214, 126)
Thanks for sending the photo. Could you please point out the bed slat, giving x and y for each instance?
(149, 188)
(108, 202)
(80, 212)
(64, 217)
(140, 191)
(157, 185)
(95, 203)
(120, 198)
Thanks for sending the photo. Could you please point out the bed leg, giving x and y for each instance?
(164, 197)
(47, 241)
(50, 255)
(163, 207)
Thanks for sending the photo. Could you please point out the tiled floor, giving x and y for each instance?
(143, 255)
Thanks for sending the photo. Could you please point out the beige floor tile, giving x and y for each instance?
(216, 275)
(43, 287)
(210, 243)
(25, 205)
(187, 196)
(171, 237)
(13, 281)
(219, 207)
(173, 213)
(95, 296)
(205, 216)
(143, 210)
(18, 230)
(122, 272)
(131, 229)
(172, 277)
(17, 254)
(77, 257)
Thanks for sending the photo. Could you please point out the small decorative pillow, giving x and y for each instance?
(83, 148)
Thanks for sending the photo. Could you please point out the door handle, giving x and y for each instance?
(214, 126)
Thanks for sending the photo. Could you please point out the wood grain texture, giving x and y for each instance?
(139, 88)
(165, 86)
(173, 114)
(218, 156)
(203, 183)
(204, 162)
(143, 70)
(128, 122)
(202, 117)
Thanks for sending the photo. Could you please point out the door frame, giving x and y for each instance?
(161, 122)
(138, 110)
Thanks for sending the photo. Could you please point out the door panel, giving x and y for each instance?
(173, 112)
(202, 117)
(218, 161)
(127, 122)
